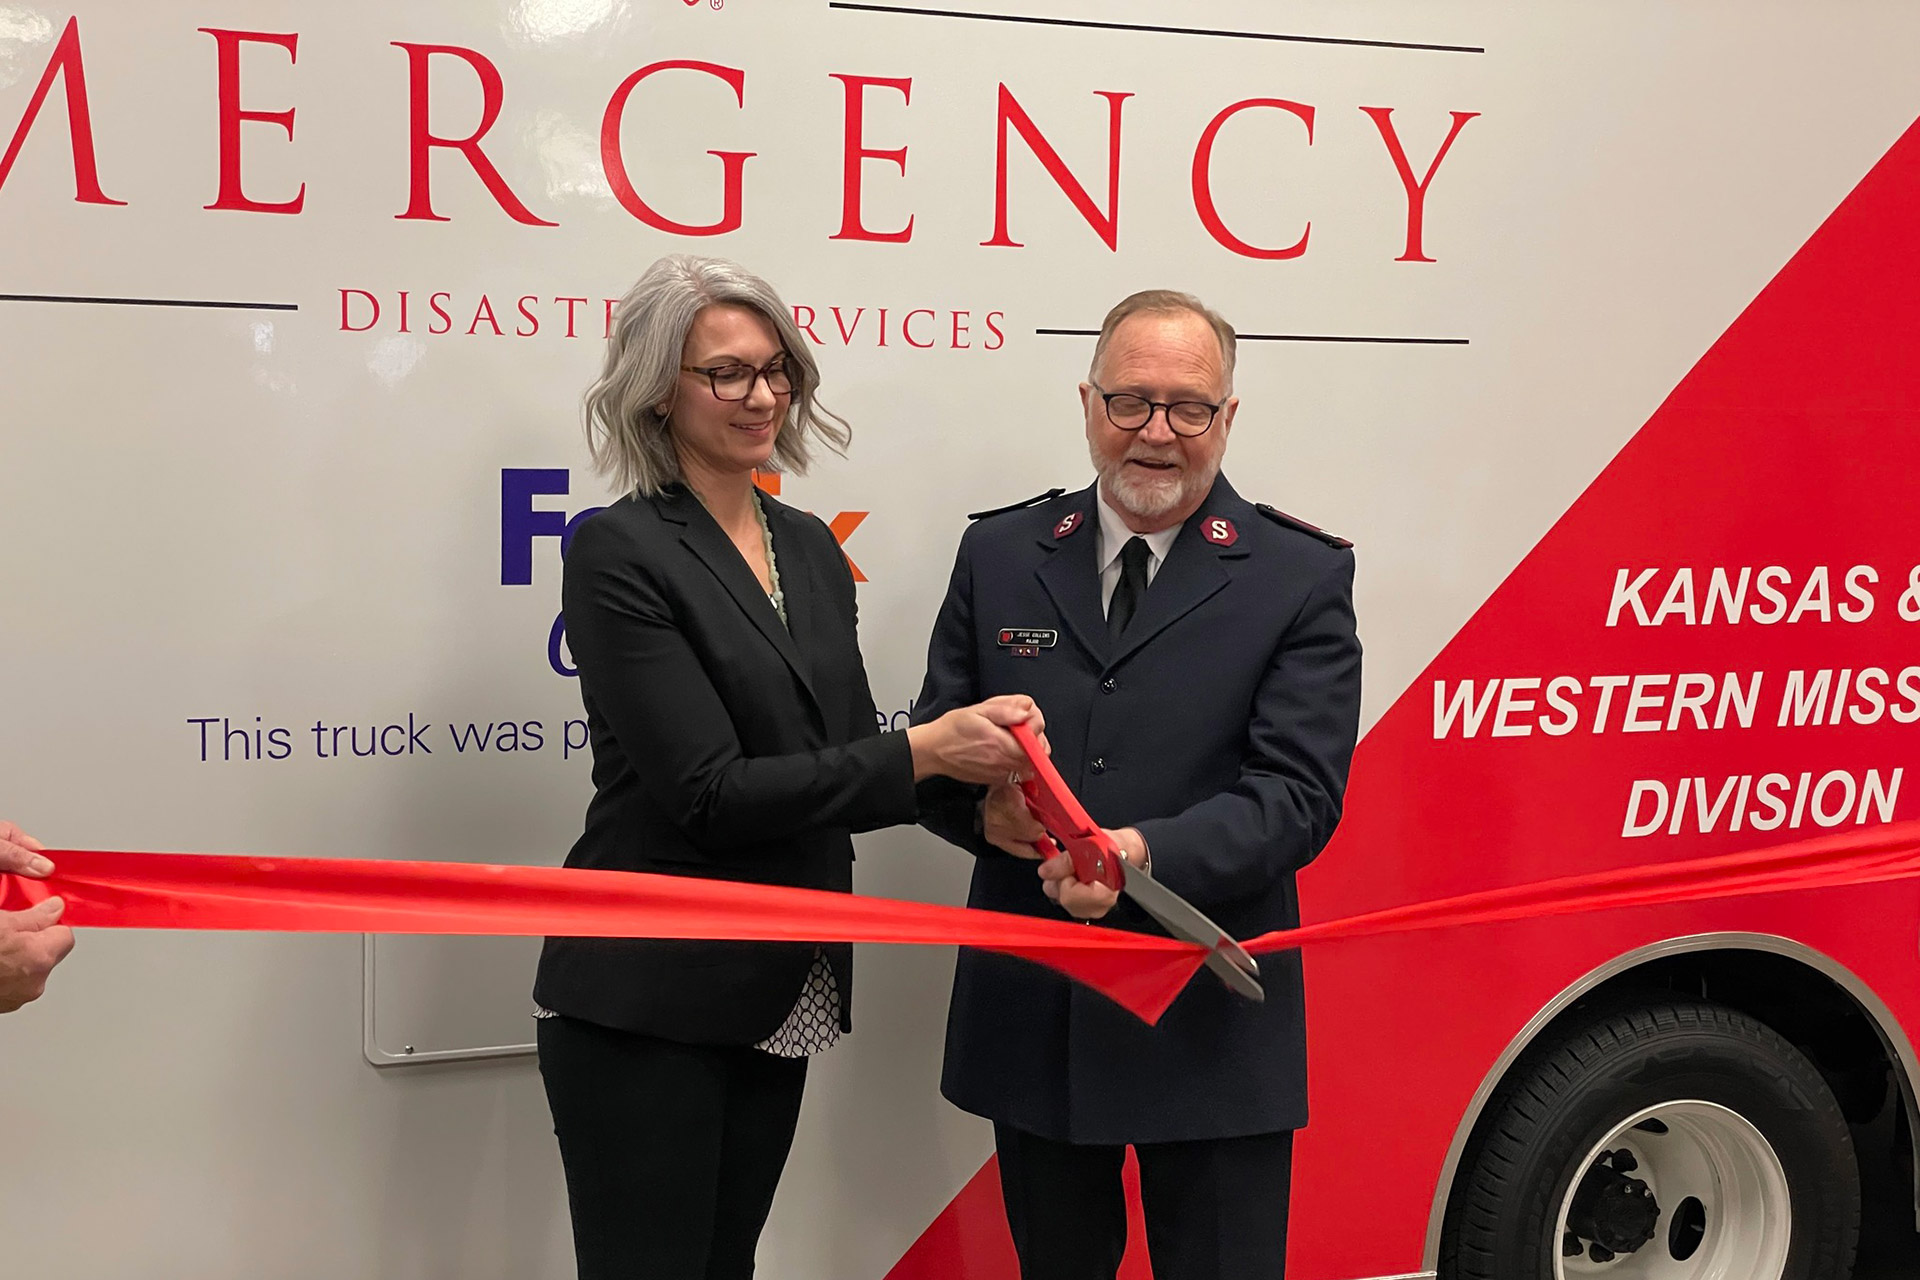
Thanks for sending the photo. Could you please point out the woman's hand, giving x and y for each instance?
(972, 743)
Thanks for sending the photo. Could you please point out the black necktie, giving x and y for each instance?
(1132, 586)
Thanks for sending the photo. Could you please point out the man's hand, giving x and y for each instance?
(1133, 845)
(34, 940)
(1090, 901)
(1008, 824)
(20, 853)
(31, 943)
(1081, 901)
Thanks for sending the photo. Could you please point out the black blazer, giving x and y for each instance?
(1221, 726)
(724, 745)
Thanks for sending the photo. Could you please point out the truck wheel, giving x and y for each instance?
(1674, 1141)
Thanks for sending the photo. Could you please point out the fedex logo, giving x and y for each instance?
(841, 526)
(523, 524)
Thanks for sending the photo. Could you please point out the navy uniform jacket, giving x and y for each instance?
(1221, 726)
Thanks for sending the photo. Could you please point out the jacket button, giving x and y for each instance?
(1109, 684)
(1098, 764)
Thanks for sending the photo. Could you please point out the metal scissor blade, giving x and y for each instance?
(1227, 958)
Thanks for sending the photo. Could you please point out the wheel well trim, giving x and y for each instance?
(1892, 1037)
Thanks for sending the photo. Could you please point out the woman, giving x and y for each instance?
(734, 737)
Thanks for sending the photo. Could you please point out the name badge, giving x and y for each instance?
(1027, 642)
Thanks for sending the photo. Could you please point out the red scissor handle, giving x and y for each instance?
(1096, 858)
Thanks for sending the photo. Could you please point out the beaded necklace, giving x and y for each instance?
(777, 596)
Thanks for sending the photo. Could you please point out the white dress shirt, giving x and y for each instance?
(1114, 535)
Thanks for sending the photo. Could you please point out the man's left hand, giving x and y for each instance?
(1089, 901)
(20, 854)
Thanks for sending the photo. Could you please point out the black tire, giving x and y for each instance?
(1564, 1097)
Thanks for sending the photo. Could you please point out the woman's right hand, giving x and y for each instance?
(972, 743)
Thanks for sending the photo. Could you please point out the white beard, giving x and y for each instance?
(1148, 497)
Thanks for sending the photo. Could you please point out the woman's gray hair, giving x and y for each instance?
(627, 435)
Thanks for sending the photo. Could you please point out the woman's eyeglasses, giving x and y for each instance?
(735, 381)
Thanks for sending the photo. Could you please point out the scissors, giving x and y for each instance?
(1098, 860)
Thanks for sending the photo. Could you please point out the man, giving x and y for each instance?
(34, 940)
(1196, 659)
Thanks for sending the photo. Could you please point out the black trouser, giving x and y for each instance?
(672, 1151)
(1216, 1210)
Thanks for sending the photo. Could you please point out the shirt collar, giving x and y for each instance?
(1114, 534)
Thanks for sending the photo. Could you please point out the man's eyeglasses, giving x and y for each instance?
(735, 381)
(1133, 413)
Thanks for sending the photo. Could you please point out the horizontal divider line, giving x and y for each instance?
(1158, 30)
(1287, 337)
(150, 302)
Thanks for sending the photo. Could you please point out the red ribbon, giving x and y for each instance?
(1141, 972)
(104, 890)
(1871, 856)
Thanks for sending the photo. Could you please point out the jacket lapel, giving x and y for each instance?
(1071, 575)
(704, 537)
